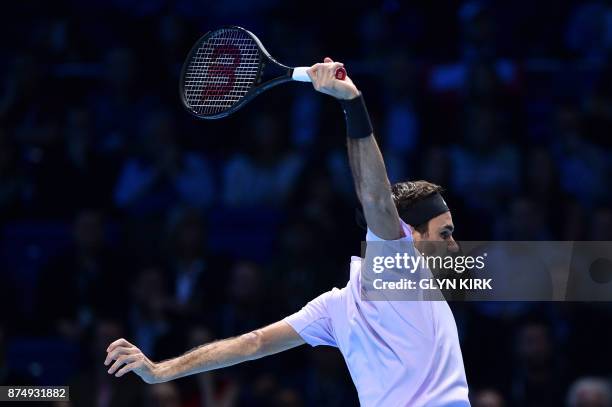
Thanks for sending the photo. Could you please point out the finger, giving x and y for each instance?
(330, 73)
(327, 59)
(121, 360)
(315, 75)
(316, 67)
(334, 67)
(118, 352)
(128, 368)
(118, 342)
(311, 74)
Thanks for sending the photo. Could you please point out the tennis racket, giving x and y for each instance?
(229, 67)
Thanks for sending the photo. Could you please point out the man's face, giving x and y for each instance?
(440, 229)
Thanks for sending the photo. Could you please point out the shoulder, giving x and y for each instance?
(328, 298)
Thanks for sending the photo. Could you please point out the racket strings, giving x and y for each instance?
(215, 68)
(221, 72)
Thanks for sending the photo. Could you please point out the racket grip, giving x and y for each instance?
(299, 74)
(341, 73)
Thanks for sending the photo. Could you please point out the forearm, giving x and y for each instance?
(372, 186)
(211, 356)
(262, 342)
(368, 169)
(272, 339)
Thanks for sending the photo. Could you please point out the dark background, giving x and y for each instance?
(122, 215)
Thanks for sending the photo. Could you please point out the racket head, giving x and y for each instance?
(222, 71)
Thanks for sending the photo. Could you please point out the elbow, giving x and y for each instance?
(254, 344)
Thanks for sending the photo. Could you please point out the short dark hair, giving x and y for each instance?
(406, 194)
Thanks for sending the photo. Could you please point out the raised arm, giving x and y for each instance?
(367, 165)
(215, 355)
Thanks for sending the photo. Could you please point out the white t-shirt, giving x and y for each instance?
(399, 353)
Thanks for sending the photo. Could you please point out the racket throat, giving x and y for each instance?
(272, 72)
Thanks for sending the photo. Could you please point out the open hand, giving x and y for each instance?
(128, 358)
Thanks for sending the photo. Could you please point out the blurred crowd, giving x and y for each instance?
(122, 215)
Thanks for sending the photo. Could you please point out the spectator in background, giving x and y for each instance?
(266, 173)
(436, 166)
(92, 386)
(401, 122)
(488, 398)
(73, 289)
(526, 220)
(196, 279)
(12, 180)
(582, 167)
(601, 225)
(495, 84)
(598, 104)
(89, 173)
(172, 32)
(305, 114)
(539, 380)
(30, 99)
(287, 398)
(162, 174)
(267, 390)
(11, 374)
(148, 316)
(328, 380)
(373, 35)
(315, 200)
(483, 84)
(576, 220)
(31, 112)
(590, 355)
(3, 366)
(590, 392)
(163, 395)
(297, 269)
(246, 306)
(484, 169)
(541, 179)
(478, 27)
(302, 265)
(9, 312)
(54, 40)
(589, 31)
(118, 104)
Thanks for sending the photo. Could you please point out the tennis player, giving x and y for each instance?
(403, 353)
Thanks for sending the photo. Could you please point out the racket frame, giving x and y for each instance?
(258, 86)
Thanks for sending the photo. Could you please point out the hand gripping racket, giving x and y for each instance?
(227, 68)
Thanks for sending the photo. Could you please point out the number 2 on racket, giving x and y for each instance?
(229, 67)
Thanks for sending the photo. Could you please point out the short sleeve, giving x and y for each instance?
(371, 237)
(313, 322)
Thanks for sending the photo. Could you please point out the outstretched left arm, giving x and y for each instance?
(262, 342)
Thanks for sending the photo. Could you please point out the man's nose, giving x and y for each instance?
(453, 247)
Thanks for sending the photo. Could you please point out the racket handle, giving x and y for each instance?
(341, 73)
(299, 74)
